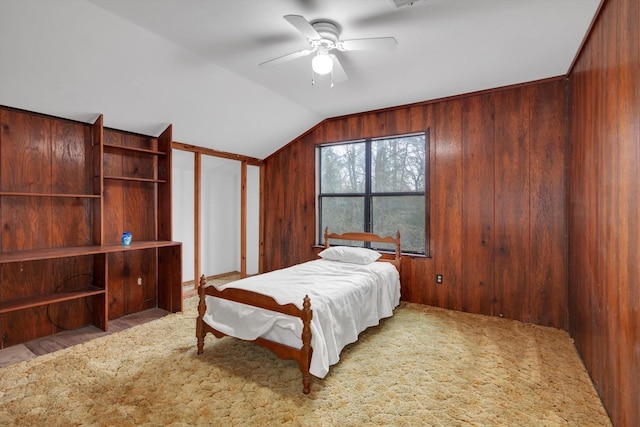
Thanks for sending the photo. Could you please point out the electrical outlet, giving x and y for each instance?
(139, 281)
(439, 278)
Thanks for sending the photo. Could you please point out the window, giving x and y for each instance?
(376, 185)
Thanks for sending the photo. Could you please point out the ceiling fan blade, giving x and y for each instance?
(339, 75)
(378, 43)
(303, 26)
(286, 58)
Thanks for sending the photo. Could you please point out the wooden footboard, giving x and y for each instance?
(301, 355)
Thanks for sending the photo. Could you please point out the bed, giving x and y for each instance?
(351, 289)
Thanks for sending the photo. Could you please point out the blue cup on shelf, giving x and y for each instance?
(126, 239)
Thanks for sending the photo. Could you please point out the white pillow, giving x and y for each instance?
(349, 254)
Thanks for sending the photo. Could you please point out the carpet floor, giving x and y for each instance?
(423, 367)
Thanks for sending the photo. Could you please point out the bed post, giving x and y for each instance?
(305, 360)
(202, 308)
(398, 253)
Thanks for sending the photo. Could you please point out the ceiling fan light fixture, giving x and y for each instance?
(322, 63)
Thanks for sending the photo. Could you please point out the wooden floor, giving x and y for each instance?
(51, 343)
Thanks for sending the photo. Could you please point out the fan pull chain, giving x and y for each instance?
(313, 78)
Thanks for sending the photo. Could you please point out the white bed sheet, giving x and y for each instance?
(345, 299)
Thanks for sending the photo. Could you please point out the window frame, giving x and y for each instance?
(368, 195)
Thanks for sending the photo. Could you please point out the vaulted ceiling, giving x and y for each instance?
(194, 63)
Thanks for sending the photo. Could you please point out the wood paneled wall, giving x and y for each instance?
(497, 200)
(604, 208)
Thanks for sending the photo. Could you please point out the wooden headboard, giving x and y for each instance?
(367, 237)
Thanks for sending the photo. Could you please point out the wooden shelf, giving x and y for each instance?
(24, 193)
(125, 178)
(135, 149)
(138, 245)
(37, 254)
(40, 300)
(51, 239)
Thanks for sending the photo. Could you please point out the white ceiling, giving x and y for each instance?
(194, 63)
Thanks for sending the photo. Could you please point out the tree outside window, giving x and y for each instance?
(378, 186)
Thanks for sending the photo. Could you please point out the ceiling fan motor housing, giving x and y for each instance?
(329, 32)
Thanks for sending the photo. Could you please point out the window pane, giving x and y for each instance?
(342, 214)
(342, 168)
(400, 213)
(398, 164)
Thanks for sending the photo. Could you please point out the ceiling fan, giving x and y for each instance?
(323, 37)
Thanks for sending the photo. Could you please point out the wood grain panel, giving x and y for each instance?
(117, 274)
(352, 128)
(113, 214)
(72, 170)
(24, 223)
(397, 121)
(512, 201)
(25, 152)
(101, 302)
(35, 279)
(608, 198)
(169, 273)
(70, 222)
(164, 203)
(71, 274)
(139, 282)
(139, 219)
(414, 270)
(373, 125)
(112, 162)
(25, 325)
(148, 272)
(478, 209)
(135, 140)
(134, 268)
(447, 205)
(29, 275)
(604, 265)
(548, 243)
(126, 295)
(97, 207)
(627, 330)
(72, 173)
(138, 165)
(580, 231)
(594, 315)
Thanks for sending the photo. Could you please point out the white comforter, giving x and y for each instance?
(345, 299)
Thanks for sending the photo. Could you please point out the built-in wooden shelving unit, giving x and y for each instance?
(68, 191)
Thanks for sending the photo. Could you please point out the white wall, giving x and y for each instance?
(253, 219)
(182, 214)
(220, 220)
(220, 214)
